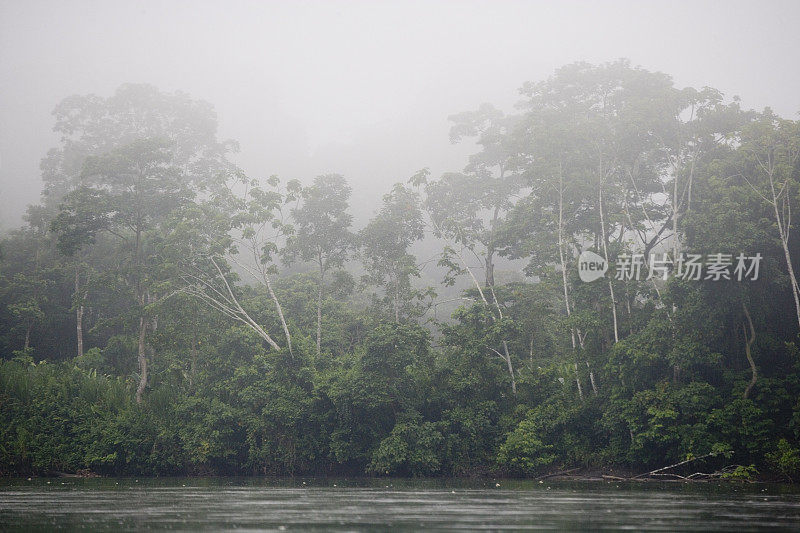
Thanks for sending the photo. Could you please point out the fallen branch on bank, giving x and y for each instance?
(656, 472)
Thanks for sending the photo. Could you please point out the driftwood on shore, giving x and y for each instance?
(658, 471)
(659, 474)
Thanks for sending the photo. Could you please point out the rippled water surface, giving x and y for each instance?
(346, 505)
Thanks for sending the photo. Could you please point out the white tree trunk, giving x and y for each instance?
(561, 257)
(605, 252)
(748, 344)
(319, 314)
(142, 357)
(783, 230)
(78, 312)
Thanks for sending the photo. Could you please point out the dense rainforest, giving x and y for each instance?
(164, 313)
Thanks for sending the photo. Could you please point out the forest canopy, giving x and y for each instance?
(165, 313)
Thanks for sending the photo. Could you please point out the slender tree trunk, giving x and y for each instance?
(795, 288)
(510, 368)
(605, 252)
(591, 378)
(78, 312)
(676, 249)
(507, 356)
(629, 310)
(319, 314)
(793, 279)
(783, 233)
(490, 249)
(578, 382)
(27, 336)
(396, 302)
(748, 344)
(142, 356)
(676, 241)
(489, 264)
(193, 369)
(561, 257)
(261, 275)
(280, 315)
(141, 297)
(229, 304)
(79, 328)
(490, 246)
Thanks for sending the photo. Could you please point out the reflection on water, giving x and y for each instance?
(269, 504)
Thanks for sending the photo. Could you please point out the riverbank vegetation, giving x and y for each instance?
(163, 313)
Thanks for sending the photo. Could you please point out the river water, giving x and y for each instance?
(380, 504)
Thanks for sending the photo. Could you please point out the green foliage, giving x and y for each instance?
(786, 459)
(413, 448)
(523, 452)
(667, 423)
(741, 473)
(277, 342)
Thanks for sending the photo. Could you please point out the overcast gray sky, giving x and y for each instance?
(361, 88)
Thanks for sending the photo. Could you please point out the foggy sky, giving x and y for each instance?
(361, 88)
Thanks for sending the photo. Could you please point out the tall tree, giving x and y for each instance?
(770, 150)
(453, 205)
(129, 193)
(385, 244)
(495, 168)
(82, 217)
(92, 126)
(241, 224)
(322, 234)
